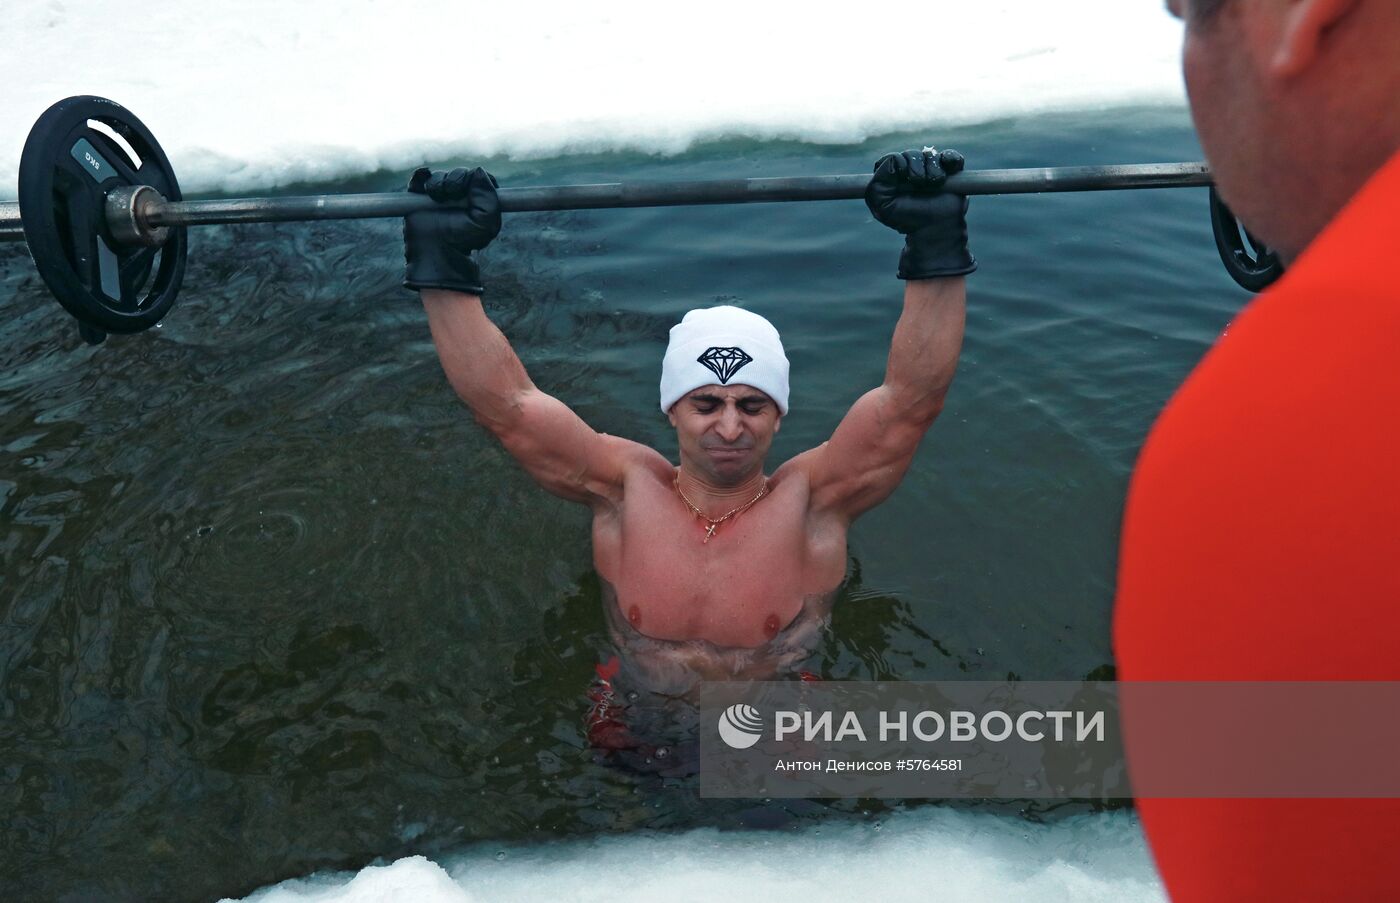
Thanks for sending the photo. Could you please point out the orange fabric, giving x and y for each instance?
(1261, 541)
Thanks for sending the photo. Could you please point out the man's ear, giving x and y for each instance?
(1304, 28)
(671, 414)
(777, 424)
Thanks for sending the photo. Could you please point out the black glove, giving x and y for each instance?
(438, 243)
(905, 194)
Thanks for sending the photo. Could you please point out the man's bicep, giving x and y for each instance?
(865, 458)
(563, 454)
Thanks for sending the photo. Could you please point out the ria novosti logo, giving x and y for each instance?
(740, 726)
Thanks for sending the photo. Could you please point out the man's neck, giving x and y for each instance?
(713, 498)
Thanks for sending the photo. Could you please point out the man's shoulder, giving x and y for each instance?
(798, 468)
(793, 479)
(636, 458)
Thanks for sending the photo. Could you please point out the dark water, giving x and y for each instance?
(271, 603)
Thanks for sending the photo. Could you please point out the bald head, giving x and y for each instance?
(1295, 104)
(1196, 9)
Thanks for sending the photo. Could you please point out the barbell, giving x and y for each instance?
(102, 213)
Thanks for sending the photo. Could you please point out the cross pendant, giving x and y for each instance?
(710, 532)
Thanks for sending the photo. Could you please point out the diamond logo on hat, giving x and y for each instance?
(725, 362)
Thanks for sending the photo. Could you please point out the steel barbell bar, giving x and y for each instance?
(104, 219)
(156, 212)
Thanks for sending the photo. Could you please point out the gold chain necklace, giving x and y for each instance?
(716, 521)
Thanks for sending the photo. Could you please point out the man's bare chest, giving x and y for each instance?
(739, 586)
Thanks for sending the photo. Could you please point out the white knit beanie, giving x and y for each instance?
(720, 345)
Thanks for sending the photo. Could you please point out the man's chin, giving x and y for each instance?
(729, 457)
(733, 469)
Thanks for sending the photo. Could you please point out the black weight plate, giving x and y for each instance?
(65, 171)
(1248, 261)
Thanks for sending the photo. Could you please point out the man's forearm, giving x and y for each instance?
(927, 341)
(476, 356)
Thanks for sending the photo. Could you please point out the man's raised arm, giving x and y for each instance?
(875, 442)
(561, 452)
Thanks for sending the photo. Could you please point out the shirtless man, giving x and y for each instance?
(715, 568)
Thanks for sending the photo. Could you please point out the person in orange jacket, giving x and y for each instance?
(1261, 536)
